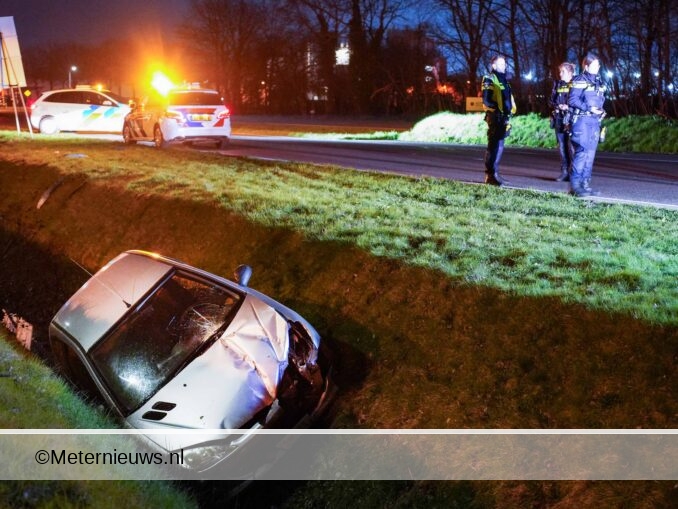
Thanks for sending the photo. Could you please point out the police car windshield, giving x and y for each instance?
(194, 98)
(118, 98)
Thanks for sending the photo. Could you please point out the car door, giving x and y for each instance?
(66, 107)
(100, 113)
(155, 109)
(145, 117)
(135, 120)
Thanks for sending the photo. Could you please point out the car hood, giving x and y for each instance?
(225, 386)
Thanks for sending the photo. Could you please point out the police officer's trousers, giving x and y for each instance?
(585, 136)
(566, 151)
(496, 132)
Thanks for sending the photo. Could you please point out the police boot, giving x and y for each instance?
(587, 186)
(577, 188)
(494, 179)
(564, 176)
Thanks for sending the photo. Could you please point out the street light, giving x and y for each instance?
(70, 71)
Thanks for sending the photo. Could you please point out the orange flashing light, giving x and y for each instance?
(161, 83)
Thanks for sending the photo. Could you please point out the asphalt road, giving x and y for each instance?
(650, 179)
(637, 178)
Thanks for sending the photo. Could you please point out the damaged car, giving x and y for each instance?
(167, 345)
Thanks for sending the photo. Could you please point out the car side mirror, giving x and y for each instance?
(243, 273)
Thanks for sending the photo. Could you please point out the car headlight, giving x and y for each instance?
(303, 350)
(206, 456)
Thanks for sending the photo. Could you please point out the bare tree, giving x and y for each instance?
(229, 31)
(549, 20)
(464, 29)
(377, 17)
(324, 22)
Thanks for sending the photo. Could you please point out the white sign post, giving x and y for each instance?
(11, 68)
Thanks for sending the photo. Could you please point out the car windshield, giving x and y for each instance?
(152, 344)
(194, 98)
(118, 98)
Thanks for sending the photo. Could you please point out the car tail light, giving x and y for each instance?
(224, 114)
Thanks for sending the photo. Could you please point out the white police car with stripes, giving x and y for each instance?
(185, 115)
(82, 109)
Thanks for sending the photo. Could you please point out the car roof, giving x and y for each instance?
(79, 89)
(105, 298)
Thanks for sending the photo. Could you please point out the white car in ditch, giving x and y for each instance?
(166, 345)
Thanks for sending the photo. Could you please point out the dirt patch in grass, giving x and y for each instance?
(414, 349)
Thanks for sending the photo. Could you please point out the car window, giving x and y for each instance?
(117, 98)
(194, 98)
(93, 98)
(157, 340)
(64, 97)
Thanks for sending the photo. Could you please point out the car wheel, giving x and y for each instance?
(223, 143)
(48, 126)
(127, 134)
(158, 138)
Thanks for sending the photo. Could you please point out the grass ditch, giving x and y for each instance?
(416, 347)
(609, 257)
(53, 404)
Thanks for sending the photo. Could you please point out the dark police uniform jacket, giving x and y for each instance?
(587, 92)
(560, 119)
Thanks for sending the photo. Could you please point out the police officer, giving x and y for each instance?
(586, 100)
(499, 104)
(561, 118)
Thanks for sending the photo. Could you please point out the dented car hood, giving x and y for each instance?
(225, 386)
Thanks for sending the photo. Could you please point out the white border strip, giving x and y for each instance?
(175, 431)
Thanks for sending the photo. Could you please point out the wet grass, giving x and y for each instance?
(449, 305)
(31, 396)
(616, 258)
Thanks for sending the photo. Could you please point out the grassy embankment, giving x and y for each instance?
(608, 257)
(553, 299)
(32, 397)
(630, 134)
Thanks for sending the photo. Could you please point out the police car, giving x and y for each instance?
(78, 109)
(190, 114)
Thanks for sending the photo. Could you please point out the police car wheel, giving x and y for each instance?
(127, 134)
(48, 126)
(158, 139)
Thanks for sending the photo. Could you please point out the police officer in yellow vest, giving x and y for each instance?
(499, 106)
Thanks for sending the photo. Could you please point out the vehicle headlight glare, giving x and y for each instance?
(203, 457)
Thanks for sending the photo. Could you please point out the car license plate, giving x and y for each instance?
(201, 117)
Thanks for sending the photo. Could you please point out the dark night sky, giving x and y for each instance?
(89, 21)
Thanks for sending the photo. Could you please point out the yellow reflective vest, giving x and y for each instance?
(491, 83)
